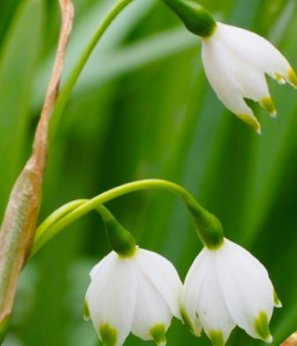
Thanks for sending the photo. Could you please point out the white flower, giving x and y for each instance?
(227, 287)
(139, 293)
(235, 62)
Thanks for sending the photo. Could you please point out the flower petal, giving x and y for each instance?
(163, 276)
(190, 294)
(103, 263)
(151, 310)
(225, 73)
(212, 311)
(246, 287)
(255, 50)
(111, 298)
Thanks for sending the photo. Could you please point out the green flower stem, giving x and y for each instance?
(67, 89)
(195, 17)
(208, 227)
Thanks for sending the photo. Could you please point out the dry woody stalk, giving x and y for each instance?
(17, 230)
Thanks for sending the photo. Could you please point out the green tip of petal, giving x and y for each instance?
(268, 104)
(216, 337)
(261, 326)
(108, 335)
(251, 121)
(276, 300)
(292, 77)
(280, 79)
(187, 321)
(86, 311)
(158, 333)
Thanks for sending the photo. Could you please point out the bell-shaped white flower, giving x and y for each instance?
(225, 287)
(236, 61)
(139, 293)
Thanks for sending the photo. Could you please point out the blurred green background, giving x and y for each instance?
(143, 109)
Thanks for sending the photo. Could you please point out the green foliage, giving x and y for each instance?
(143, 109)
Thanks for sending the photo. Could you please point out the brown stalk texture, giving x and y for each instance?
(19, 223)
(291, 341)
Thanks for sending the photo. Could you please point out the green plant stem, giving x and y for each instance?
(69, 85)
(209, 228)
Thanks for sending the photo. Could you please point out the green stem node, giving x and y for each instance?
(195, 17)
(209, 229)
(121, 241)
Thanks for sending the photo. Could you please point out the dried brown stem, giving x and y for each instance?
(291, 341)
(17, 230)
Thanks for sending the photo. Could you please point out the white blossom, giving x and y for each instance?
(226, 287)
(139, 293)
(236, 61)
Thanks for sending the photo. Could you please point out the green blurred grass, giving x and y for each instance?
(142, 109)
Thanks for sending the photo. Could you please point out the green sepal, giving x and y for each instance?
(209, 229)
(195, 17)
(119, 238)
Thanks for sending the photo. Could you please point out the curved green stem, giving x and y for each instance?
(67, 89)
(208, 227)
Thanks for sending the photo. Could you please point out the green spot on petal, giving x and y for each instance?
(251, 121)
(261, 326)
(108, 334)
(86, 311)
(216, 337)
(268, 104)
(158, 333)
(276, 300)
(292, 77)
(187, 321)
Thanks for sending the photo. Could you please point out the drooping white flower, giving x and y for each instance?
(227, 287)
(235, 62)
(139, 293)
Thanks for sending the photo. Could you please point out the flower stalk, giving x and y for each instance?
(66, 91)
(208, 227)
(20, 218)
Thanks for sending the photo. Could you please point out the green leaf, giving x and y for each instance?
(18, 59)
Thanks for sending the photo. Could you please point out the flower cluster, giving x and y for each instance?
(141, 293)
